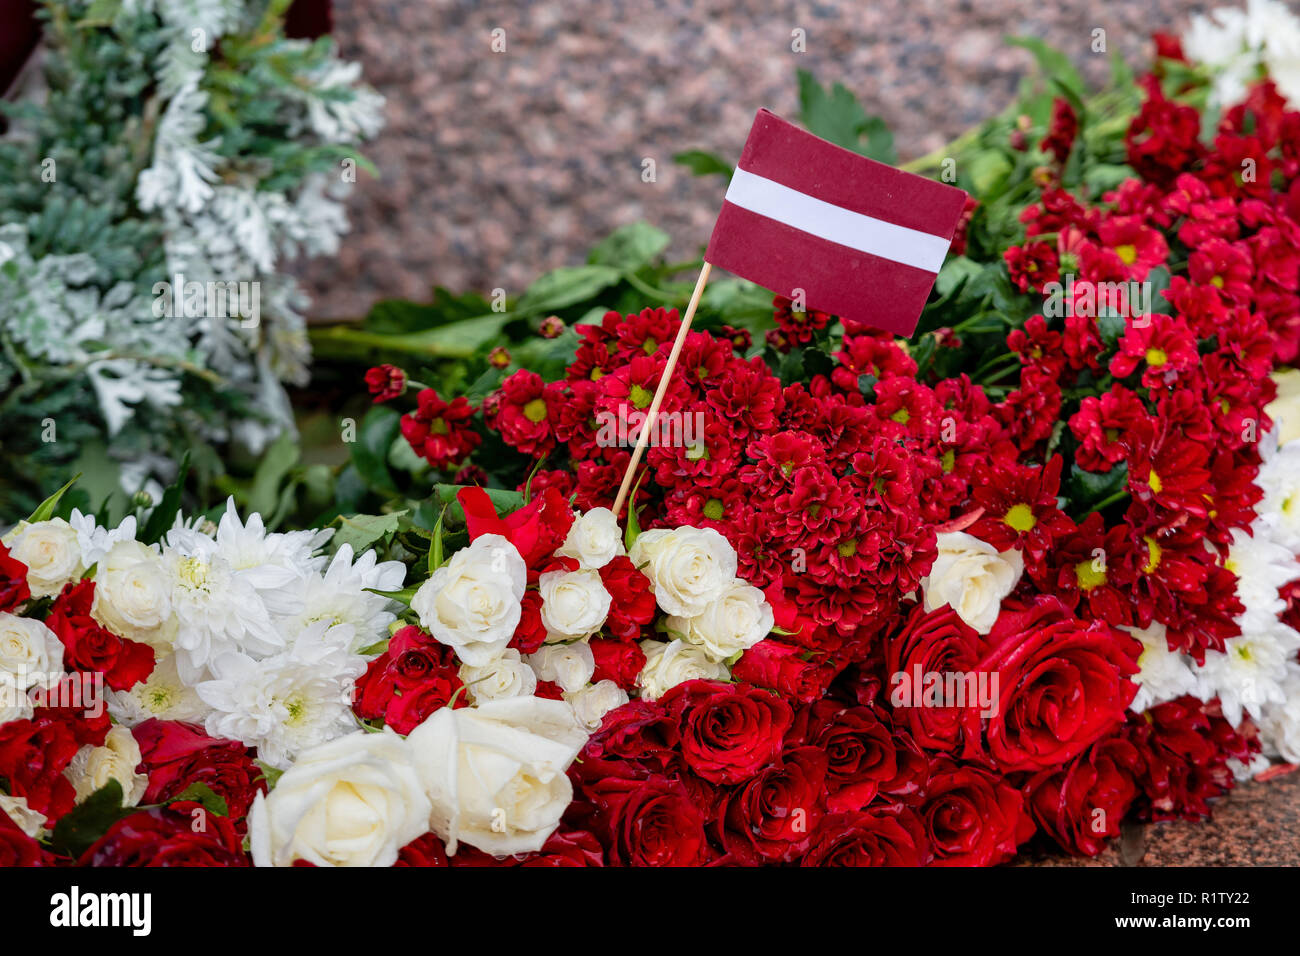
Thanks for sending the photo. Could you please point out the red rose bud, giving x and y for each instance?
(90, 647)
(385, 382)
(779, 667)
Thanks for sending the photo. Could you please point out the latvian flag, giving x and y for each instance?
(863, 240)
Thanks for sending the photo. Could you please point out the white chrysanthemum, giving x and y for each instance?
(1244, 771)
(95, 541)
(163, 695)
(358, 618)
(285, 704)
(506, 676)
(218, 609)
(1279, 728)
(1261, 567)
(1279, 478)
(1246, 676)
(1237, 44)
(1162, 674)
(273, 563)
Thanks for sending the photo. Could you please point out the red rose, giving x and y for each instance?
(530, 634)
(881, 836)
(1061, 685)
(633, 603)
(772, 817)
(651, 822)
(423, 851)
(13, 581)
(180, 834)
(936, 643)
(728, 731)
(973, 817)
(385, 382)
(409, 681)
(175, 755)
(17, 848)
(861, 751)
(1081, 805)
(568, 848)
(638, 739)
(90, 647)
(778, 666)
(33, 756)
(536, 529)
(619, 661)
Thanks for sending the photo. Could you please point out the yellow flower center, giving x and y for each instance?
(1127, 253)
(1020, 518)
(713, 509)
(640, 397)
(535, 411)
(1156, 485)
(849, 548)
(949, 461)
(1088, 575)
(1157, 357)
(1153, 555)
(1217, 282)
(902, 416)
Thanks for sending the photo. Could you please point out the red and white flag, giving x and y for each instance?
(863, 240)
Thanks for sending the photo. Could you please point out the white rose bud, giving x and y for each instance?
(507, 676)
(133, 594)
(51, 551)
(496, 773)
(591, 704)
(569, 665)
(472, 603)
(354, 801)
(668, 664)
(972, 577)
(93, 767)
(594, 539)
(689, 567)
(574, 604)
(30, 653)
(24, 817)
(735, 622)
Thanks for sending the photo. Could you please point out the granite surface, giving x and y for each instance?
(498, 165)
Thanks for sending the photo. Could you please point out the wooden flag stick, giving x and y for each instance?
(653, 413)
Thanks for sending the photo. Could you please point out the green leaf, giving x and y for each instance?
(567, 286)
(702, 163)
(403, 596)
(1054, 64)
(370, 451)
(164, 514)
(361, 531)
(81, 826)
(436, 557)
(1087, 488)
(276, 462)
(45, 510)
(203, 794)
(630, 247)
(836, 115)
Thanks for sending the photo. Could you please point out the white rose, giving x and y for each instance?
(496, 773)
(51, 551)
(574, 604)
(689, 567)
(735, 622)
(133, 594)
(354, 801)
(591, 704)
(972, 577)
(507, 676)
(14, 702)
(30, 653)
(594, 539)
(93, 767)
(668, 664)
(472, 603)
(24, 817)
(569, 665)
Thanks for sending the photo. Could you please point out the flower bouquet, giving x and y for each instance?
(996, 588)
